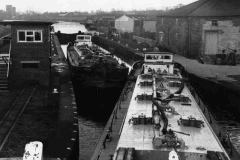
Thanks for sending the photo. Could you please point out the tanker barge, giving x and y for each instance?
(162, 121)
(88, 62)
(96, 75)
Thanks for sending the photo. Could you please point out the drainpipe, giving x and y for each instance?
(189, 36)
(169, 38)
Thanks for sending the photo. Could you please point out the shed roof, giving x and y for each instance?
(206, 8)
(114, 16)
(23, 22)
(142, 17)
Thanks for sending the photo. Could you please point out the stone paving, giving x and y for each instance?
(221, 73)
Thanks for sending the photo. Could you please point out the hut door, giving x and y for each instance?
(211, 42)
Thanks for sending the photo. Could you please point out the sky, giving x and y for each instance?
(88, 5)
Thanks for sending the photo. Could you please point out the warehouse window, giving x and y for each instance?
(214, 22)
(29, 36)
(30, 64)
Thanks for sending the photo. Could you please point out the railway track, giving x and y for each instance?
(17, 108)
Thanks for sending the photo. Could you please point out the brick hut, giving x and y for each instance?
(29, 51)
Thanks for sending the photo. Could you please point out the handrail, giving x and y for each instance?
(4, 59)
(9, 60)
(5, 36)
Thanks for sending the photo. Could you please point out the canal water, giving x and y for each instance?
(91, 124)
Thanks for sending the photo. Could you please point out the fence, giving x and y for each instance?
(145, 40)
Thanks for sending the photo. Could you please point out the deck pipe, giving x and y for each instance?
(171, 96)
(159, 108)
(164, 117)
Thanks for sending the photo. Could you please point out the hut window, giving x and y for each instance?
(176, 21)
(167, 57)
(21, 36)
(29, 36)
(214, 22)
(162, 21)
(30, 64)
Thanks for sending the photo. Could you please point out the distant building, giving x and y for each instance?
(124, 24)
(136, 24)
(3, 15)
(149, 25)
(89, 21)
(10, 10)
(62, 14)
(108, 20)
(13, 11)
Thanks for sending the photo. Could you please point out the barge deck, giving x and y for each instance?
(138, 136)
(106, 147)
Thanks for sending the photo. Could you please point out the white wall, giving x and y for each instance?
(124, 24)
(228, 35)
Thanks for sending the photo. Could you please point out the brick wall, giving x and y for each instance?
(175, 34)
(31, 51)
(195, 37)
(180, 39)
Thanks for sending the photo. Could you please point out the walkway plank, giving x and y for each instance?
(100, 152)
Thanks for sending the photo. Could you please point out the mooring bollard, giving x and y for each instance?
(119, 106)
(104, 144)
(220, 134)
(210, 118)
(111, 157)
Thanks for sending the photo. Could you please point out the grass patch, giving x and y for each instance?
(6, 100)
